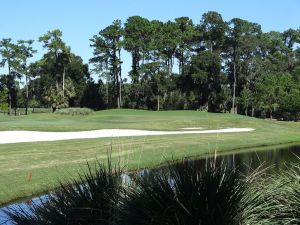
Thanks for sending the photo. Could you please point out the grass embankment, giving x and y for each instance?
(50, 161)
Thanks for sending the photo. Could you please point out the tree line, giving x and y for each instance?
(214, 65)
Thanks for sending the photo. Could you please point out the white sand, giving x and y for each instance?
(7, 137)
(192, 128)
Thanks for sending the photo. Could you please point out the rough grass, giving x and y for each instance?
(50, 161)
(75, 111)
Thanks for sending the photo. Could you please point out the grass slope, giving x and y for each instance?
(50, 161)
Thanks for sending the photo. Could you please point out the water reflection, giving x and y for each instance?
(276, 159)
(21, 205)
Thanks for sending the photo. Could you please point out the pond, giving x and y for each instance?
(275, 158)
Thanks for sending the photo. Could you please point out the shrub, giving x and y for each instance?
(186, 194)
(274, 200)
(40, 110)
(75, 111)
(90, 200)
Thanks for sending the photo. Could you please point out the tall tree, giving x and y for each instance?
(10, 57)
(137, 38)
(107, 56)
(26, 52)
(291, 37)
(187, 36)
(240, 44)
(52, 41)
(214, 29)
(168, 44)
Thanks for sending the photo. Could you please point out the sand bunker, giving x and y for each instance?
(7, 137)
(192, 128)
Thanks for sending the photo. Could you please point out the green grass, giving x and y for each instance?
(50, 161)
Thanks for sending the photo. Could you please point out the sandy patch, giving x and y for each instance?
(192, 128)
(7, 137)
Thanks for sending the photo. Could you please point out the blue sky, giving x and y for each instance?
(81, 19)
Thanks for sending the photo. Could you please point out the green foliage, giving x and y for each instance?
(207, 80)
(11, 57)
(213, 28)
(290, 106)
(246, 99)
(75, 111)
(137, 41)
(215, 65)
(92, 97)
(107, 58)
(62, 75)
(4, 101)
(54, 99)
(52, 41)
(273, 91)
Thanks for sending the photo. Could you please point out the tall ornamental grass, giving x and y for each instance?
(274, 199)
(185, 193)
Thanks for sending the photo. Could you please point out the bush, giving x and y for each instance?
(91, 200)
(75, 111)
(39, 110)
(186, 194)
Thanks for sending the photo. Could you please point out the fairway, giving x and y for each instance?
(48, 162)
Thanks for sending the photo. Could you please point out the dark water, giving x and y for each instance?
(275, 159)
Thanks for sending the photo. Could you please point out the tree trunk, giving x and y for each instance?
(182, 63)
(9, 90)
(158, 102)
(271, 116)
(252, 111)
(107, 91)
(57, 85)
(135, 65)
(117, 91)
(120, 81)
(27, 96)
(234, 88)
(107, 79)
(170, 66)
(63, 82)
(9, 102)
(120, 93)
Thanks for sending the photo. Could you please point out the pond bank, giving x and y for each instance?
(278, 158)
